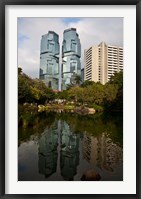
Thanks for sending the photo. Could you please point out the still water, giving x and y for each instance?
(64, 146)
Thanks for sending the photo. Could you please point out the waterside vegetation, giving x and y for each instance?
(82, 98)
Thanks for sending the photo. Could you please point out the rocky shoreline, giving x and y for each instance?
(76, 109)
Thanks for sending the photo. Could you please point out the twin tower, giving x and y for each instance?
(50, 72)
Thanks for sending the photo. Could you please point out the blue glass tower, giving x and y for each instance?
(71, 53)
(49, 59)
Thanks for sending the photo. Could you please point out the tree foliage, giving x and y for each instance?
(32, 90)
(117, 82)
(75, 81)
(109, 96)
(87, 83)
(78, 79)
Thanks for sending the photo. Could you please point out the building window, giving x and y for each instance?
(73, 46)
(49, 68)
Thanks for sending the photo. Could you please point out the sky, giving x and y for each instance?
(92, 31)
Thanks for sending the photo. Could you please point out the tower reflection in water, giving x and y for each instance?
(48, 151)
(60, 150)
(69, 152)
(58, 144)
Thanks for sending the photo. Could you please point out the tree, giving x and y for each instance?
(75, 80)
(76, 93)
(94, 93)
(114, 92)
(32, 90)
(62, 95)
(68, 86)
(117, 79)
(19, 71)
(78, 79)
(24, 91)
(41, 92)
(87, 83)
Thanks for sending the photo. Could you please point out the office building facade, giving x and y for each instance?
(102, 61)
(49, 60)
(71, 53)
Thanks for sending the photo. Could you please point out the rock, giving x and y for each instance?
(90, 175)
(91, 110)
(84, 110)
(41, 108)
(81, 110)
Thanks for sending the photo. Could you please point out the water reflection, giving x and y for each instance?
(59, 142)
(69, 152)
(64, 151)
(102, 152)
(48, 150)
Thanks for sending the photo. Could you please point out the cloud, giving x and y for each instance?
(92, 31)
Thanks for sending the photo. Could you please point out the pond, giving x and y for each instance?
(67, 146)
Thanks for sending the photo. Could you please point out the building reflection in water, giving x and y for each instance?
(59, 151)
(101, 152)
(59, 142)
(69, 152)
(48, 150)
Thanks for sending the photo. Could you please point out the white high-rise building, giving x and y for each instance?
(102, 61)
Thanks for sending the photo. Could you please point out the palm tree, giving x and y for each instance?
(77, 79)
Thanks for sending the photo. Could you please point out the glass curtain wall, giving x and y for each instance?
(49, 59)
(71, 53)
